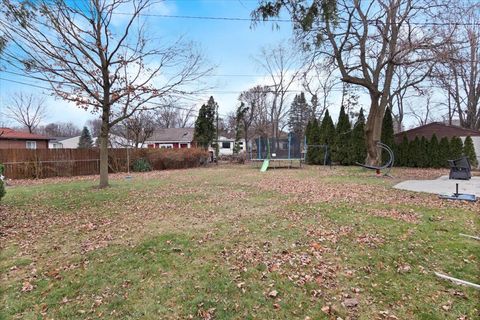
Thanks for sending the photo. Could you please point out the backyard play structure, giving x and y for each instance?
(282, 152)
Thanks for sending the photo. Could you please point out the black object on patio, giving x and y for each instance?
(460, 169)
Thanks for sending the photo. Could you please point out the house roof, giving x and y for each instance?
(7, 133)
(58, 139)
(172, 135)
(439, 129)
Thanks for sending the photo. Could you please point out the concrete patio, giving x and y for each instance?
(442, 185)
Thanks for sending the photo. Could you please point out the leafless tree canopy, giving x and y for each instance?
(173, 115)
(114, 70)
(136, 129)
(458, 70)
(60, 129)
(27, 110)
(319, 79)
(368, 40)
(283, 67)
(256, 120)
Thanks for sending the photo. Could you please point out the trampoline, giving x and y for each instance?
(276, 153)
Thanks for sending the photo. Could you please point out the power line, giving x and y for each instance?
(217, 18)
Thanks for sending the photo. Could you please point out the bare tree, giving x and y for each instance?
(61, 129)
(319, 80)
(368, 40)
(26, 110)
(186, 116)
(427, 113)
(95, 126)
(412, 75)
(283, 68)
(256, 116)
(458, 71)
(136, 129)
(112, 70)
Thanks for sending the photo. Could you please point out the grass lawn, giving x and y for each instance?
(234, 243)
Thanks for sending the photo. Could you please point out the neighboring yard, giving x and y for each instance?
(233, 243)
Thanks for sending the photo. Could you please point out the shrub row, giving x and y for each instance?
(424, 153)
(162, 159)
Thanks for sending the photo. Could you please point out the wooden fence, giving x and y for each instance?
(44, 163)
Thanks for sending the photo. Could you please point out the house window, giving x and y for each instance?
(225, 145)
(31, 145)
(166, 146)
(57, 145)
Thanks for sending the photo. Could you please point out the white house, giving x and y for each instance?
(72, 142)
(226, 145)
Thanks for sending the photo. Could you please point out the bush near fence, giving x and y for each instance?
(37, 164)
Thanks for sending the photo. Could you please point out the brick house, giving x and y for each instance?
(12, 139)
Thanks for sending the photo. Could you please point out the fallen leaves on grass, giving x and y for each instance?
(407, 215)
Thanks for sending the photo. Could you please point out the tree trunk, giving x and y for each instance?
(373, 132)
(104, 149)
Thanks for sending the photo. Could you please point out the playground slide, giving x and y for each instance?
(265, 164)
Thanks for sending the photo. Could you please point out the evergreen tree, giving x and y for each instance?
(413, 149)
(86, 141)
(299, 115)
(239, 126)
(327, 134)
(469, 151)
(434, 152)
(358, 144)
(402, 158)
(205, 124)
(309, 141)
(456, 148)
(443, 152)
(423, 153)
(342, 153)
(314, 151)
(387, 136)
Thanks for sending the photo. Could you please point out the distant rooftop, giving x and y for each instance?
(7, 133)
(172, 135)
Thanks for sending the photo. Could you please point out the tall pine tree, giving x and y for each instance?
(86, 141)
(239, 126)
(434, 152)
(342, 152)
(358, 144)
(469, 151)
(402, 158)
(299, 115)
(327, 135)
(387, 133)
(444, 152)
(423, 153)
(413, 149)
(314, 151)
(205, 124)
(456, 148)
